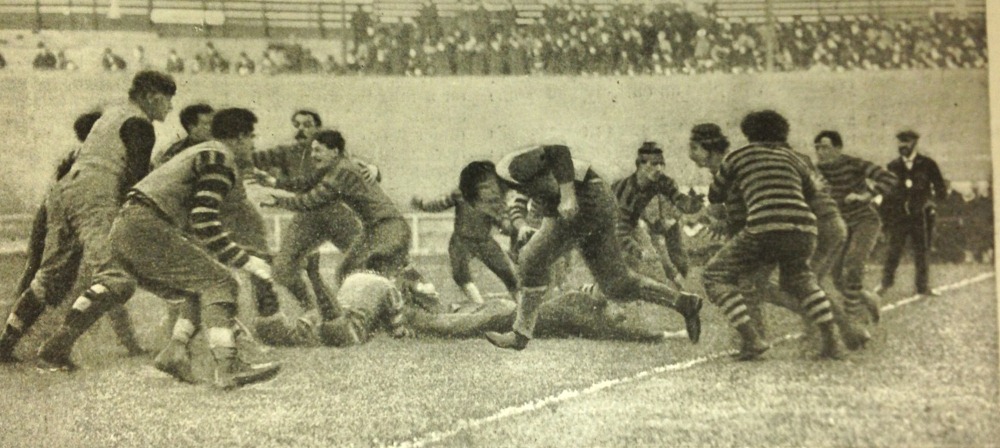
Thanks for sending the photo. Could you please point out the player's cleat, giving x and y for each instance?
(54, 354)
(831, 347)
(689, 305)
(175, 360)
(855, 338)
(880, 290)
(752, 350)
(751, 344)
(51, 362)
(233, 372)
(510, 340)
(929, 293)
(871, 303)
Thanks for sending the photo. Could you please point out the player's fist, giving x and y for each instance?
(857, 197)
(258, 268)
(272, 204)
(264, 178)
(524, 233)
(369, 172)
(568, 208)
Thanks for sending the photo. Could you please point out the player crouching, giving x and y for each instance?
(170, 236)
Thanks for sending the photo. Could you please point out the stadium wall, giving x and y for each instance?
(422, 130)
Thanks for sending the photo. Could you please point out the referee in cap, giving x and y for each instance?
(908, 213)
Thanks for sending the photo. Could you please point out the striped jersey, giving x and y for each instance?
(341, 181)
(774, 185)
(197, 191)
(470, 222)
(633, 199)
(848, 174)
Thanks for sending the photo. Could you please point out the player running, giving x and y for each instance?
(81, 208)
(579, 211)
(848, 177)
(118, 316)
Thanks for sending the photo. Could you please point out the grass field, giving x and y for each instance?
(928, 379)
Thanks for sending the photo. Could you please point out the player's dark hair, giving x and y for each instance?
(190, 114)
(332, 139)
(311, 113)
(765, 126)
(710, 137)
(84, 123)
(151, 81)
(472, 175)
(232, 123)
(834, 137)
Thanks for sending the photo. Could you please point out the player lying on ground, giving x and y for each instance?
(374, 303)
(580, 212)
(472, 237)
(118, 316)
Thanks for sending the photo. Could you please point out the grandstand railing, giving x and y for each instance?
(324, 18)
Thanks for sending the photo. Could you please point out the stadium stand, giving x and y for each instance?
(447, 37)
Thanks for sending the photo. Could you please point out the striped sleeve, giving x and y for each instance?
(884, 181)
(213, 181)
(439, 204)
(667, 187)
(324, 193)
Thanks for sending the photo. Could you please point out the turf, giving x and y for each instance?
(928, 379)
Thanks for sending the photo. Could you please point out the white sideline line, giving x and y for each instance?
(569, 394)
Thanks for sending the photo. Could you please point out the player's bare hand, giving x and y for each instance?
(568, 208)
(258, 268)
(857, 197)
(264, 178)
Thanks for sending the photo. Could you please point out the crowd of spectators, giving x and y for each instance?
(965, 228)
(579, 39)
